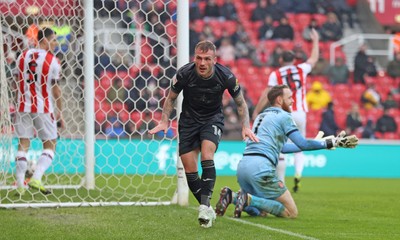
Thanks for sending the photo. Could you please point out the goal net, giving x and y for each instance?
(134, 52)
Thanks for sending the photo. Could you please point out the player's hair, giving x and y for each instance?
(287, 56)
(275, 92)
(44, 33)
(205, 46)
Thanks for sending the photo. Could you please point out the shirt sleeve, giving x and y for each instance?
(233, 85)
(272, 80)
(302, 144)
(306, 67)
(179, 84)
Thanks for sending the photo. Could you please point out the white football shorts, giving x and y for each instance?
(44, 123)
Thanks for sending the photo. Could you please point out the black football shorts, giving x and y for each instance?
(191, 134)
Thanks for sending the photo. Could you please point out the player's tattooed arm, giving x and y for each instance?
(243, 110)
(169, 106)
(245, 118)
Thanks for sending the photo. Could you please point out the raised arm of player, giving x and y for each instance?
(245, 118)
(56, 91)
(168, 107)
(262, 103)
(312, 60)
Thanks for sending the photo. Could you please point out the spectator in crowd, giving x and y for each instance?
(244, 48)
(283, 31)
(117, 92)
(120, 61)
(370, 97)
(369, 130)
(275, 11)
(240, 32)
(194, 37)
(340, 7)
(164, 81)
(274, 58)
(260, 11)
(228, 10)
(225, 34)
(321, 67)
(232, 125)
(303, 6)
(390, 102)
(339, 72)
(212, 11)
(386, 123)
(207, 33)
(328, 123)
(266, 30)
(353, 120)
(115, 128)
(102, 62)
(286, 5)
(260, 56)
(360, 63)
(318, 98)
(393, 68)
(226, 52)
(194, 10)
(144, 77)
(307, 30)
(133, 18)
(395, 90)
(133, 95)
(370, 68)
(331, 29)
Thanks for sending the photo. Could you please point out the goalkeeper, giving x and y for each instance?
(261, 190)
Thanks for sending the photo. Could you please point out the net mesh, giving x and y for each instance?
(134, 62)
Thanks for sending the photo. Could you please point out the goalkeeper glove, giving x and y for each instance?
(320, 137)
(341, 140)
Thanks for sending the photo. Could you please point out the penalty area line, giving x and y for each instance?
(273, 229)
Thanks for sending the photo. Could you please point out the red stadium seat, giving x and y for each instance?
(303, 19)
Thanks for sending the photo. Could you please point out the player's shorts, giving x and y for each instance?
(257, 175)
(44, 124)
(191, 134)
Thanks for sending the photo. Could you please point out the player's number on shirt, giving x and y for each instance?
(256, 125)
(293, 83)
(32, 75)
(217, 131)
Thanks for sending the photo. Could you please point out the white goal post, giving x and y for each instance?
(111, 93)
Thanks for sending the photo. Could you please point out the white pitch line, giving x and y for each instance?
(267, 228)
(273, 229)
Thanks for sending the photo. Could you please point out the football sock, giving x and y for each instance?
(22, 166)
(298, 164)
(43, 164)
(207, 181)
(267, 205)
(194, 183)
(281, 168)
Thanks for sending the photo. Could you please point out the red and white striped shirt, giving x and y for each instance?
(295, 76)
(37, 69)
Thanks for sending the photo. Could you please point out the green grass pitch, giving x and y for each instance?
(329, 208)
